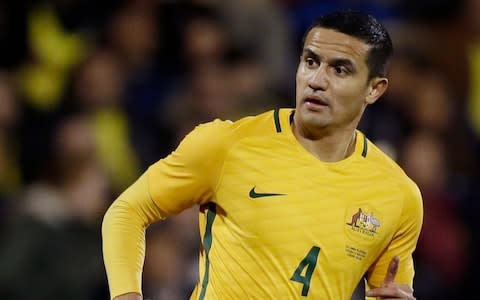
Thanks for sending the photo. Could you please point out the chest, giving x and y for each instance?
(273, 200)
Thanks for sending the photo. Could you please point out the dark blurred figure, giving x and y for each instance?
(10, 117)
(10, 171)
(52, 249)
(57, 40)
(220, 79)
(444, 247)
(135, 33)
(471, 11)
(171, 267)
(439, 29)
(263, 27)
(98, 89)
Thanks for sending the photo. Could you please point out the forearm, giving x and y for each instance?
(123, 249)
(123, 232)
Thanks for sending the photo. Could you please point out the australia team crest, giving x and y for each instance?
(362, 223)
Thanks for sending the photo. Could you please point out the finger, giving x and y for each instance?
(389, 292)
(381, 292)
(392, 270)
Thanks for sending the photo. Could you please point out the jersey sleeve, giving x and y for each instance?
(403, 243)
(189, 175)
(186, 177)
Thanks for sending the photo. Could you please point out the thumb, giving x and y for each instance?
(392, 270)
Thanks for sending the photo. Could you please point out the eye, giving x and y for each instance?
(310, 62)
(340, 70)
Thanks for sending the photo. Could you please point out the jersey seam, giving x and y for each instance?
(227, 154)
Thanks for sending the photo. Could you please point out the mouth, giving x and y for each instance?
(315, 102)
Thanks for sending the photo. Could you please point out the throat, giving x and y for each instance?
(327, 147)
(330, 151)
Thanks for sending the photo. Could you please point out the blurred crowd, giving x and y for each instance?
(93, 92)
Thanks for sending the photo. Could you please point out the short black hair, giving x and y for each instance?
(364, 27)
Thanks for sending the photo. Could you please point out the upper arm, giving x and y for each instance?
(184, 178)
(403, 243)
(188, 176)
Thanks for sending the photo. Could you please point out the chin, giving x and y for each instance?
(314, 119)
(318, 124)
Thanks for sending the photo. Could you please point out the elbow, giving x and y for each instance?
(108, 220)
(118, 215)
(122, 215)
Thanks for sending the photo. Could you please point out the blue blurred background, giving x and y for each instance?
(92, 92)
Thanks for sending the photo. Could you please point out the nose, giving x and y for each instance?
(318, 79)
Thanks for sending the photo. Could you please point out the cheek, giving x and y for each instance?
(350, 96)
(299, 77)
(348, 87)
(300, 81)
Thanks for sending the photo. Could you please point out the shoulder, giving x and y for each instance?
(261, 124)
(384, 163)
(225, 133)
(392, 171)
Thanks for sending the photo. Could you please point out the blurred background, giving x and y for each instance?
(92, 92)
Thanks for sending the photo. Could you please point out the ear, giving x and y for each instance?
(377, 86)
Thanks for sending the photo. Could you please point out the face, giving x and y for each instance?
(332, 86)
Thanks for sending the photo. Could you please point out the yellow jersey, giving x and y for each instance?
(275, 222)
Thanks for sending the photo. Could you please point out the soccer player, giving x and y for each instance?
(294, 203)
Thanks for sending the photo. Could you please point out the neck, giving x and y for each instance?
(327, 145)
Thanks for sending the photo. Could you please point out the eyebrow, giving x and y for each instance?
(333, 62)
(309, 52)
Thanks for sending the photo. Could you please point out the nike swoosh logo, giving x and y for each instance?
(254, 194)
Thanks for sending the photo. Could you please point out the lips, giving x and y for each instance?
(315, 101)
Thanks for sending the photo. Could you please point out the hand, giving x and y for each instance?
(390, 289)
(129, 296)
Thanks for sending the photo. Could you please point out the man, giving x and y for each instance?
(278, 191)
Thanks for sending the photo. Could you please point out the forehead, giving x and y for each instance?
(331, 43)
